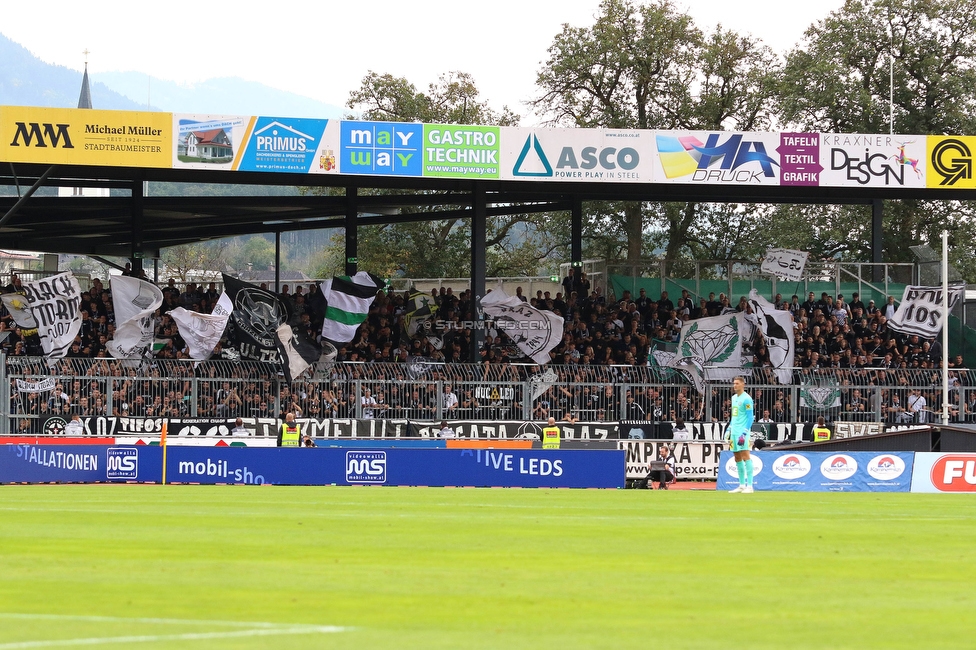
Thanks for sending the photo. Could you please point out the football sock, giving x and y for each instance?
(740, 466)
(748, 464)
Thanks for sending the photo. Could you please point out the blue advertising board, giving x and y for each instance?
(398, 466)
(80, 463)
(280, 144)
(314, 466)
(381, 148)
(821, 471)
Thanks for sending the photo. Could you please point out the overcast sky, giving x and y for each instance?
(322, 49)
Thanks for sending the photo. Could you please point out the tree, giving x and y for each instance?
(649, 66)
(838, 81)
(453, 99)
(515, 244)
(256, 253)
(205, 258)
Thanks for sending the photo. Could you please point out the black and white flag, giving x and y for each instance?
(921, 309)
(534, 331)
(257, 314)
(54, 302)
(776, 326)
(298, 350)
(785, 263)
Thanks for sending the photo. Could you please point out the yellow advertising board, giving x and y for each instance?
(73, 136)
(951, 161)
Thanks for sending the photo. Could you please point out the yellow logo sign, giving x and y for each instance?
(951, 161)
(85, 137)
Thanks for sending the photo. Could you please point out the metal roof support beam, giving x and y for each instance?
(106, 262)
(877, 240)
(479, 226)
(352, 231)
(138, 212)
(277, 261)
(576, 240)
(16, 206)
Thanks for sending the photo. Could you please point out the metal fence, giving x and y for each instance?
(435, 391)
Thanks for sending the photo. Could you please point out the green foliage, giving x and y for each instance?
(257, 253)
(208, 257)
(453, 99)
(838, 81)
(649, 67)
(517, 244)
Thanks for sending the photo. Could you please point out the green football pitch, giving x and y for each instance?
(300, 567)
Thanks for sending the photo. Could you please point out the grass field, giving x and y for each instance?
(287, 567)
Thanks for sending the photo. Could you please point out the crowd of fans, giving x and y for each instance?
(829, 332)
(606, 344)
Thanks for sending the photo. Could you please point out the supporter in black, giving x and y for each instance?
(634, 410)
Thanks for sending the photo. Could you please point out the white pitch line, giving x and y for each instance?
(193, 636)
(153, 621)
(253, 629)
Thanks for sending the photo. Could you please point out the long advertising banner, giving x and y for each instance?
(264, 427)
(275, 144)
(30, 463)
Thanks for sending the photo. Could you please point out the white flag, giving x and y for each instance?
(54, 302)
(202, 332)
(785, 263)
(534, 331)
(776, 326)
(135, 303)
(920, 311)
(713, 342)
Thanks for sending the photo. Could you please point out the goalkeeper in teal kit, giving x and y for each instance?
(739, 434)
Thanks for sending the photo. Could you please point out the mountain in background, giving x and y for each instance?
(25, 80)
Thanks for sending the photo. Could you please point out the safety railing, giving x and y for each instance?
(36, 392)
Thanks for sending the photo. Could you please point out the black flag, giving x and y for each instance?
(257, 315)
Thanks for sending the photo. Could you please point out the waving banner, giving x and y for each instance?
(920, 312)
(714, 342)
(54, 302)
(257, 314)
(19, 310)
(776, 326)
(785, 263)
(135, 302)
(348, 299)
(202, 332)
(534, 331)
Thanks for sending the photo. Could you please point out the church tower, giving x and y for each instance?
(84, 101)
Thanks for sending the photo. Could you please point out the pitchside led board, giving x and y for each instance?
(27, 463)
(821, 471)
(357, 148)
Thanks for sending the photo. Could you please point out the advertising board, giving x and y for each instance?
(398, 466)
(693, 460)
(595, 155)
(822, 471)
(482, 467)
(31, 134)
(949, 473)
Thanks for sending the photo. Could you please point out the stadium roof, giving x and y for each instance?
(111, 225)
